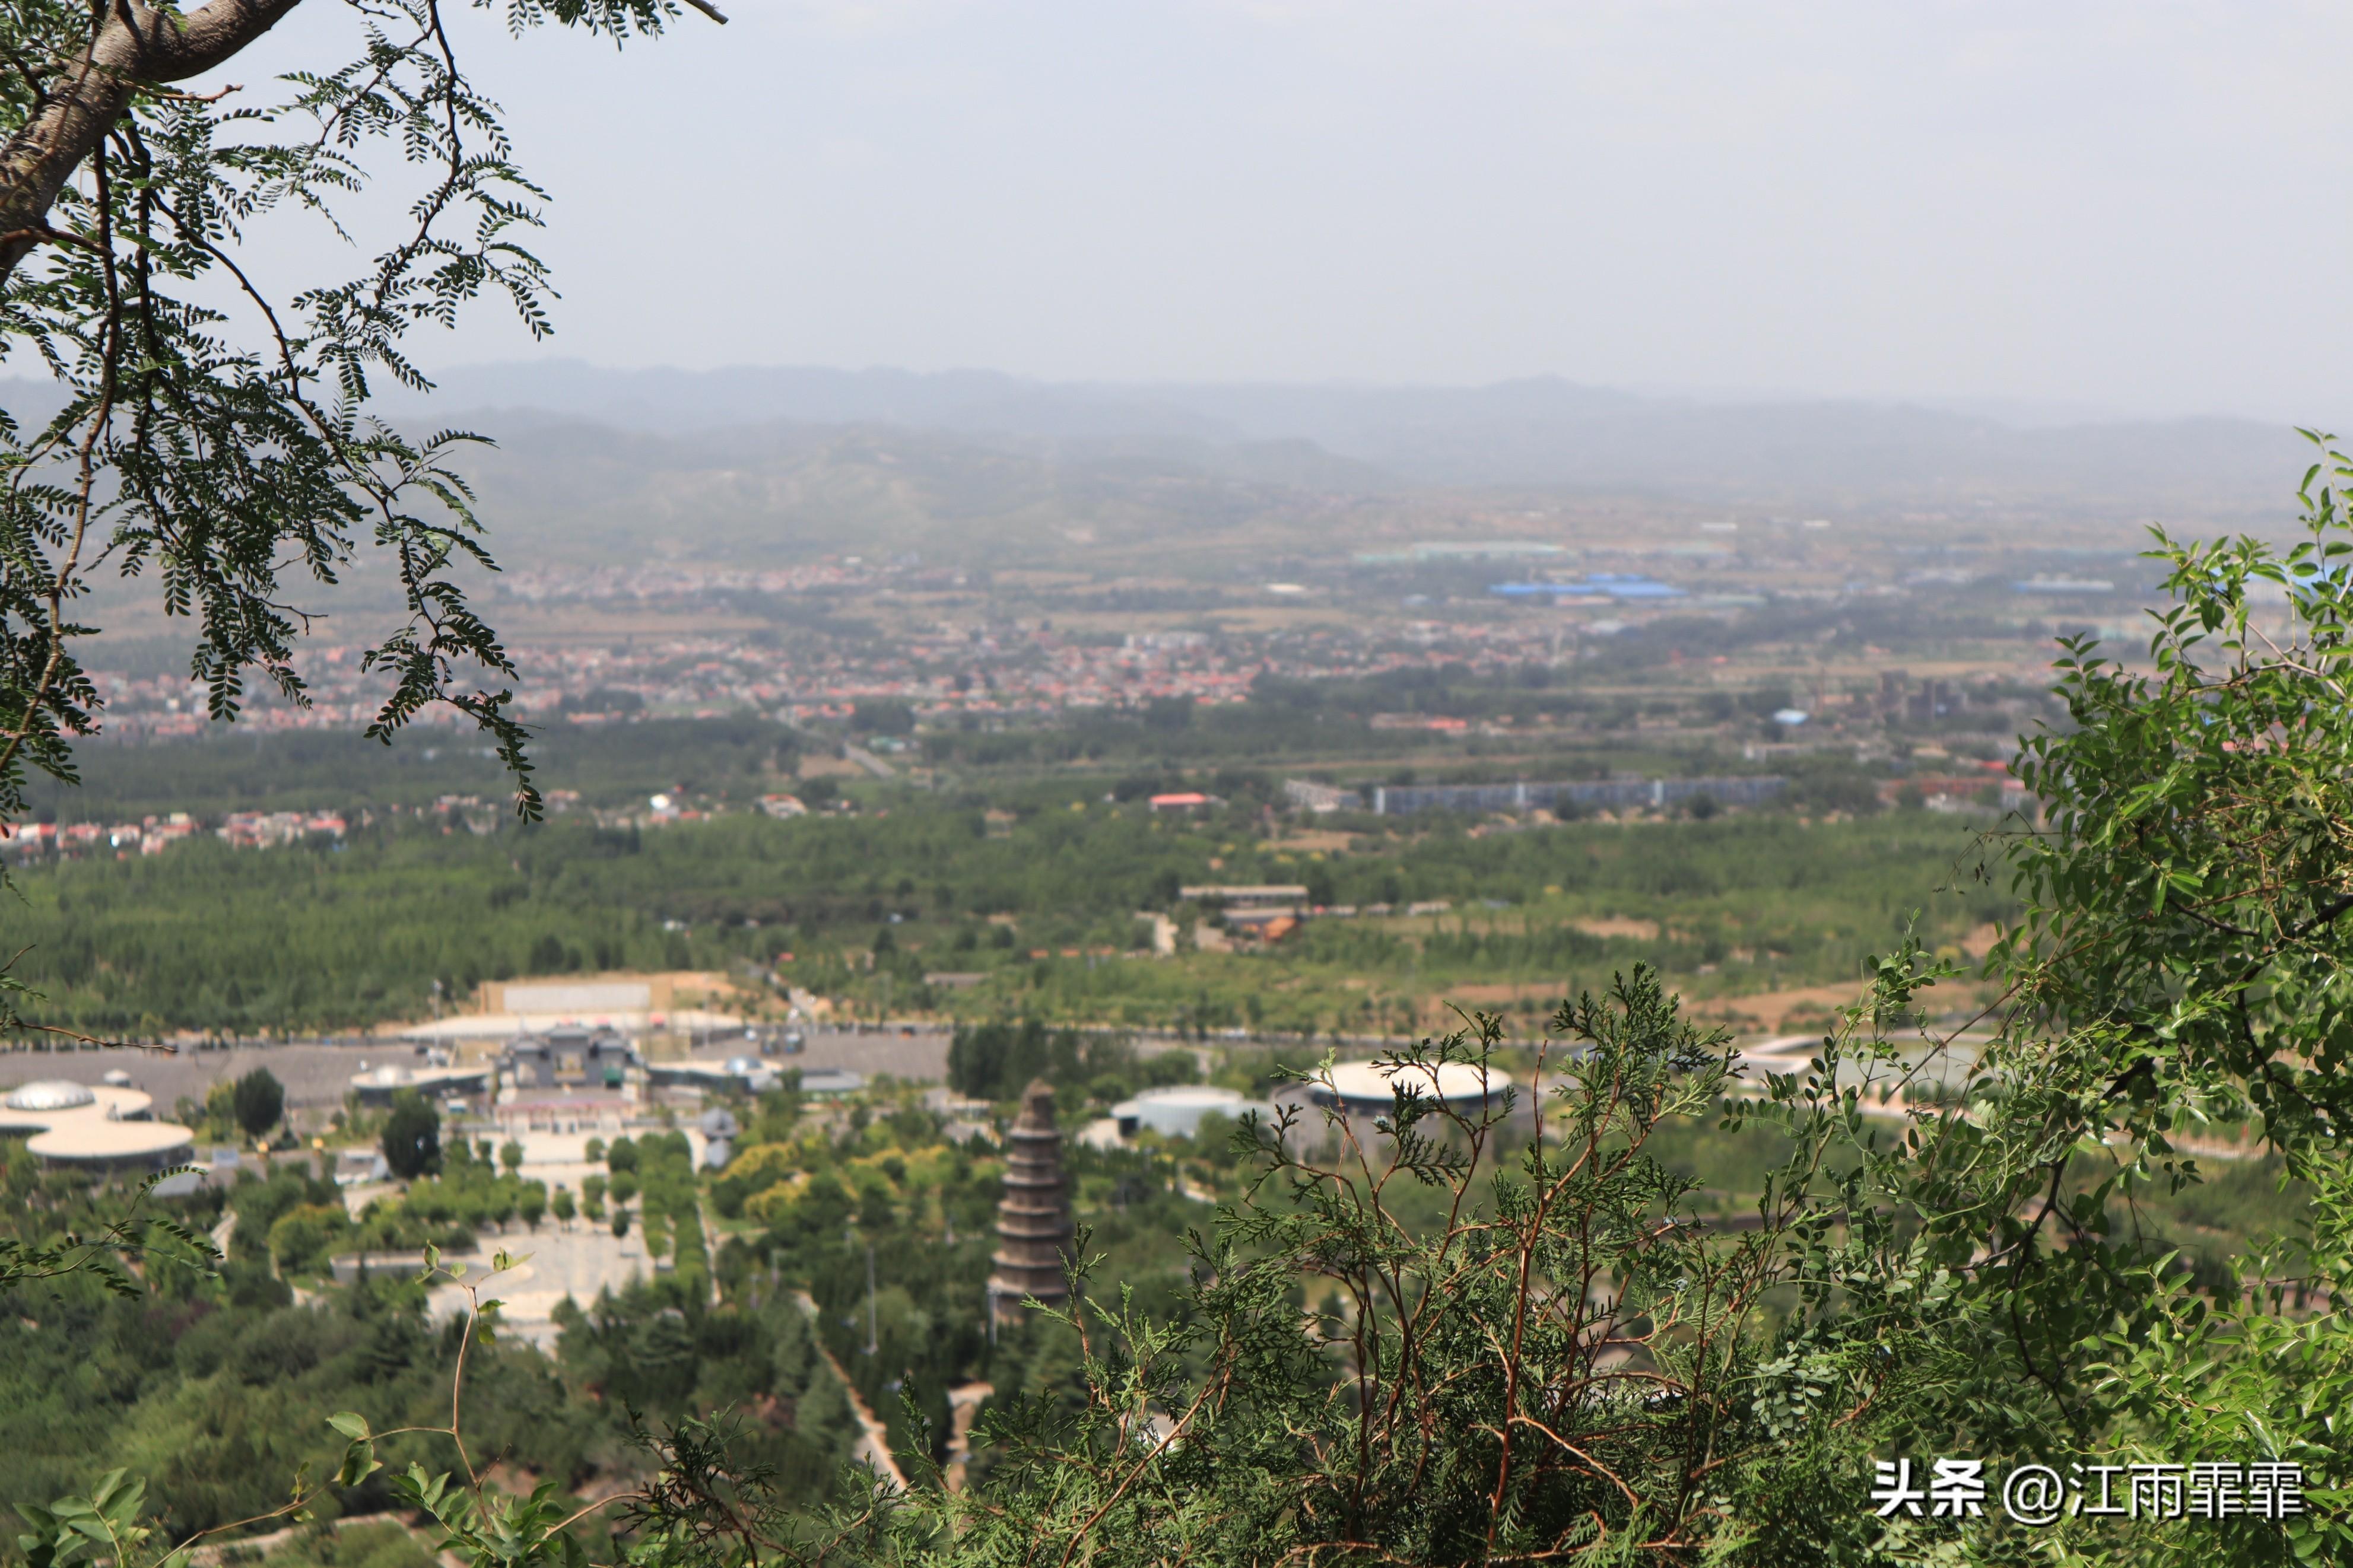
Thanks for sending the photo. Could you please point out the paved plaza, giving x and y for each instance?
(554, 1263)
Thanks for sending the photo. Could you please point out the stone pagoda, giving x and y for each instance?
(1033, 1219)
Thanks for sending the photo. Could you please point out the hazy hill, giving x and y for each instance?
(779, 464)
(576, 491)
(1544, 432)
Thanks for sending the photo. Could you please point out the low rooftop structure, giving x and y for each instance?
(1585, 795)
(93, 1141)
(1308, 796)
(1258, 916)
(582, 998)
(750, 1074)
(628, 1004)
(720, 1131)
(1246, 893)
(378, 1086)
(1611, 586)
(830, 1083)
(36, 1104)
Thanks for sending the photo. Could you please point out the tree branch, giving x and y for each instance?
(132, 48)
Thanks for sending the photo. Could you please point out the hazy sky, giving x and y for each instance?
(2141, 207)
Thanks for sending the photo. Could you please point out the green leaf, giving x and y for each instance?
(359, 1463)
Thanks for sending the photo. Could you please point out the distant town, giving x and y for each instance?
(979, 663)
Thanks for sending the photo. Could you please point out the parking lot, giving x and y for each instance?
(317, 1074)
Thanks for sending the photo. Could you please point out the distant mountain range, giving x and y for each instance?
(1540, 433)
(769, 464)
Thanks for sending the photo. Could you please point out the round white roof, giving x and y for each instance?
(51, 1094)
(96, 1138)
(1370, 1084)
(391, 1074)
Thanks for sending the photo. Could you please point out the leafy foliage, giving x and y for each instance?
(206, 937)
(259, 1101)
(412, 1137)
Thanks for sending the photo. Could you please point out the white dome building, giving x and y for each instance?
(102, 1127)
(1369, 1089)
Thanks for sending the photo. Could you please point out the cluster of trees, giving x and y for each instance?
(249, 1106)
(996, 1061)
(217, 1389)
(208, 937)
(202, 1375)
(663, 1348)
(453, 1193)
(660, 1168)
(258, 1100)
(289, 1217)
(803, 1212)
(806, 1208)
(736, 760)
(411, 1139)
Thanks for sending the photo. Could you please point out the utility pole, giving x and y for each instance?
(871, 1345)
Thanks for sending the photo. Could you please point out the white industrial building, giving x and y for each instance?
(1178, 1112)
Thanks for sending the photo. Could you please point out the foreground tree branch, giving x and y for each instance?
(133, 47)
(243, 475)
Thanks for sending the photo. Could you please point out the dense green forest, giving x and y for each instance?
(338, 933)
(309, 770)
